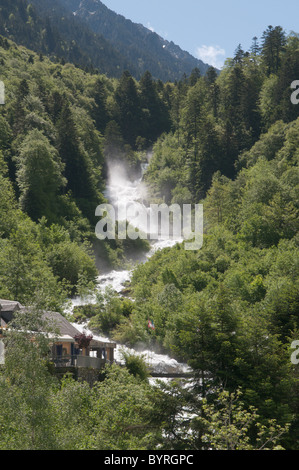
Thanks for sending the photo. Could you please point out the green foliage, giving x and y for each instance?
(26, 387)
(52, 167)
(110, 311)
(227, 426)
(24, 272)
(39, 176)
(39, 413)
(57, 33)
(136, 365)
(229, 310)
(123, 405)
(217, 120)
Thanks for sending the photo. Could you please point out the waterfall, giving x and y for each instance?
(120, 191)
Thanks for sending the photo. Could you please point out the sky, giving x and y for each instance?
(210, 30)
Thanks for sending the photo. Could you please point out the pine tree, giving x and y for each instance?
(79, 172)
(128, 108)
(194, 76)
(155, 115)
(100, 113)
(213, 89)
(273, 43)
(239, 55)
(255, 47)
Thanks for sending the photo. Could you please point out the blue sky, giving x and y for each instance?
(210, 30)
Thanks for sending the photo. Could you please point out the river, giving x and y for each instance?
(121, 191)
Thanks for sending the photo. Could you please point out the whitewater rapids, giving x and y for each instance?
(121, 190)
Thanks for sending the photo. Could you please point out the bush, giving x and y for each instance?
(136, 365)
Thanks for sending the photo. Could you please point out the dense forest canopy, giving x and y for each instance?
(231, 310)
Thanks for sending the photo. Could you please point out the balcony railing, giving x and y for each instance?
(79, 361)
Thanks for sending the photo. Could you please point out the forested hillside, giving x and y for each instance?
(230, 310)
(104, 42)
(59, 127)
(48, 28)
(217, 119)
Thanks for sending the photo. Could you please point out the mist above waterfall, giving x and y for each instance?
(129, 203)
(124, 186)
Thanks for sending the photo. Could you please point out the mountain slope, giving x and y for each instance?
(48, 28)
(90, 35)
(142, 47)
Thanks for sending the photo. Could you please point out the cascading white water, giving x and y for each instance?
(159, 363)
(121, 192)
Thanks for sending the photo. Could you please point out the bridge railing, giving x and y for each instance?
(79, 361)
